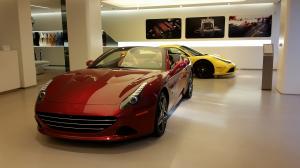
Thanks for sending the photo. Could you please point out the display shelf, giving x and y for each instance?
(48, 39)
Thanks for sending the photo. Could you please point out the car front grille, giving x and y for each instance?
(76, 123)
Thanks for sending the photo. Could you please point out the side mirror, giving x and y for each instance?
(89, 63)
(176, 68)
(186, 61)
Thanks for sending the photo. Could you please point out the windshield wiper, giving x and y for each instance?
(129, 67)
(98, 66)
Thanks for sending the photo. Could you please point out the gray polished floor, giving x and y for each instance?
(229, 123)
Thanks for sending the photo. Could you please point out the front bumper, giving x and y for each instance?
(228, 69)
(132, 123)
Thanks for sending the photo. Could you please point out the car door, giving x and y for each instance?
(183, 69)
(175, 77)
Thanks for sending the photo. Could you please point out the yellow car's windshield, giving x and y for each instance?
(191, 51)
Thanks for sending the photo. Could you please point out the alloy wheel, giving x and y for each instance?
(161, 116)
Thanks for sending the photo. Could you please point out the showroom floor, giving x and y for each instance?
(229, 123)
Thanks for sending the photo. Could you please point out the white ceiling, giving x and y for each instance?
(54, 5)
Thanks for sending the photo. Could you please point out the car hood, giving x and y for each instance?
(219, 57)
(222, 58)
(97, 86)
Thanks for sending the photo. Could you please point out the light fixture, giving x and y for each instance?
(204, 43)
(37, 6)
(152, 3)
(160, 9)
(46, 14)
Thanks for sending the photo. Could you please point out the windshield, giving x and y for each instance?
(136, 57)
(193, 52)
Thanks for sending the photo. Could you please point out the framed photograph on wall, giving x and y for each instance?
(205, 27)
(240, 26)
(163, 28)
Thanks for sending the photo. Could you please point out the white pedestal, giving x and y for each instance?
(9, 71)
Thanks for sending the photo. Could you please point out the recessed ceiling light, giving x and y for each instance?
(153, 3)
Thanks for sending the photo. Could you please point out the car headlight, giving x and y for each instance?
(43, 91)
(134, 97)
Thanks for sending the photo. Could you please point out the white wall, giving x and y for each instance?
(130, 26)
(47, 22)
(15, 31)
(55, 55)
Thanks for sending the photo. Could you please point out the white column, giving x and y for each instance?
(16, 31)
(84, 31)
(288, 81)
(276, 32)
(26, 53)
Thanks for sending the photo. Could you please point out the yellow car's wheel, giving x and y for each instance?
(203, 69)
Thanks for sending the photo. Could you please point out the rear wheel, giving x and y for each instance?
(161, 115)
(204, 69)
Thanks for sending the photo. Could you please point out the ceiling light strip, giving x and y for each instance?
(46, 14)
(221, 43)
(37, 6)
(186, 7)
(155, 3)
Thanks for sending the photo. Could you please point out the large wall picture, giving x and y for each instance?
(250, 26)
(205, 27)
(163, 28)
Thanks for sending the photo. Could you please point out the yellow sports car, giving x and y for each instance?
(204, 65)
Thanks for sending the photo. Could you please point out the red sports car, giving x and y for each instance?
(125, 93)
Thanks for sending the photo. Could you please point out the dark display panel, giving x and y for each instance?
(205, 27)
(250, 26)
(163, 28)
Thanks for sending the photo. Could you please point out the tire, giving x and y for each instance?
(204, 69)
(189, 91)
(161, 116)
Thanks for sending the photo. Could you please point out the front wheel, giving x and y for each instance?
(204, 69)
(161, 115)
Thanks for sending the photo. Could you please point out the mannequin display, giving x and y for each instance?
(52, 39)
(59, 39)
(36, 39)
(42, 39)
